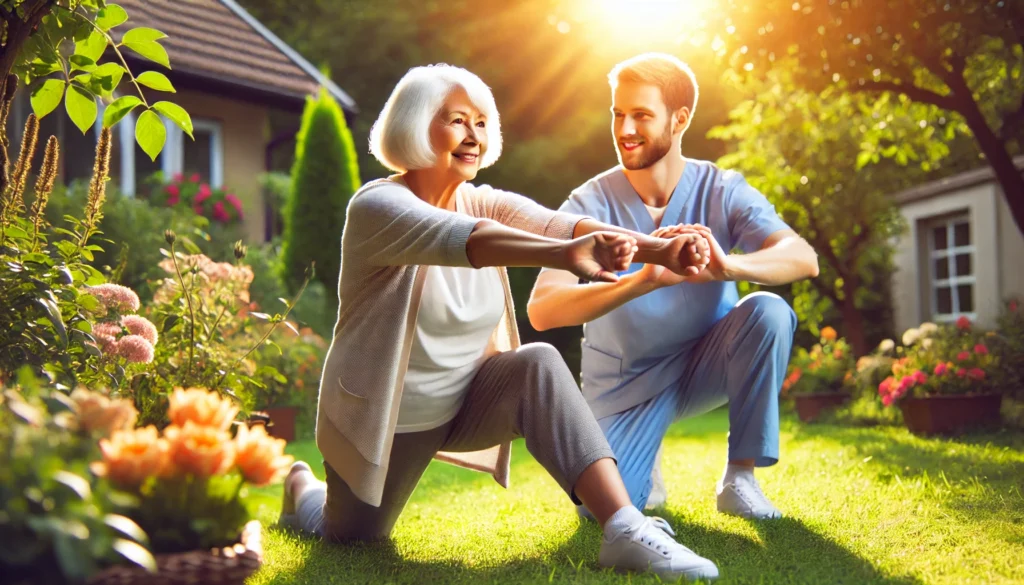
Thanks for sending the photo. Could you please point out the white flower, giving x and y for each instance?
(886, 346)
(927, 329)
(927, 342)
(910, 336)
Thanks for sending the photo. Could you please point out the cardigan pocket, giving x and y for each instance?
(349, 392)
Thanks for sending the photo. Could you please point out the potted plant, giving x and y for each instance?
(287, 379)
(818, 379)
(946, 380)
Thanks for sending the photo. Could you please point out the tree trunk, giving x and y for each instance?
(995, 151)
(18, 31)
(853, 325)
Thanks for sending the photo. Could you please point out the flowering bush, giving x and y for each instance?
(825, 368)
(1010, 345)
(195, 464)
(217, 204)
(941, 359)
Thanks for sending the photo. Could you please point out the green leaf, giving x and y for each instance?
(863, 159)
(112, 15)
(118, 109)
(126, 526)
(150, 133)
(53, 315)
(142, 34)
(92, 47)
(74, 482)
(112, 70)
(135, 553)
(170, 322)
(81, 62)
(152, 51)
(46, 97)
(81, 106)
(155, 80)
(176, 114)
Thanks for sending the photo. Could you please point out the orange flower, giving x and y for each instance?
(828, 334)
(202, 407)
(837, 353)
(129, 457)
(200, 450)
(98, 413)
(259, 456)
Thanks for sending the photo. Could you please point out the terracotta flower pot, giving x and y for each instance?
(282, 421)
(946, 415)
(810, 406)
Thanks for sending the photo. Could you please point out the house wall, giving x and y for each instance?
(997, 260)
(244, 128)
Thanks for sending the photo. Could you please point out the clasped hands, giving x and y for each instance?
(672, 254)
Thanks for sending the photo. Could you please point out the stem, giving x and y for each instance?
(113, 45)
(266, 335)
(191, 315)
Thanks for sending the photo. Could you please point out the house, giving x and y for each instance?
(232, 75)
(962, 255)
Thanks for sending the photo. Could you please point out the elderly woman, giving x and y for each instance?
(425, 361)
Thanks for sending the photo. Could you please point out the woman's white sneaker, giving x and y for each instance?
(649, 546)
(741, 495)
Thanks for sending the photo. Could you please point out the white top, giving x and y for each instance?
(656, 213)
(459, 310)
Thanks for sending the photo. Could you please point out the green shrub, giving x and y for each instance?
(325, 176)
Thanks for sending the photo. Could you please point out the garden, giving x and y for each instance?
(159, 370)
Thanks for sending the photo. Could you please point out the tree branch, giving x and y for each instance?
(826, 246)
(1013, 123)
(913, 92)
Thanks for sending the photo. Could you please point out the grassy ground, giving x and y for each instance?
(864, 505)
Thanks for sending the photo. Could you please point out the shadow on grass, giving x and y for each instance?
(785, 552)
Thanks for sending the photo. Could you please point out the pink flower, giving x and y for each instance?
(1013, 306)
(115, 296)
(219, 213)
(105, 335)
(920, 377)
(963, 355)
(885, 387)
(941, 369)
(140, 326)
(960, 372)
(173, 200)
(204, 193)
(177, 178)
(976, 374)
(173, 190)
(887, 400)
(907, 382)
(980, 349)
(135, 349)
(234, 201)
(963, 322)
(194, 178)
(197, 208)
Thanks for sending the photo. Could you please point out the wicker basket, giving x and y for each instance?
(230, 565)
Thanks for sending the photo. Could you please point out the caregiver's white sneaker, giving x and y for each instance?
(649, 546)
(741, 495)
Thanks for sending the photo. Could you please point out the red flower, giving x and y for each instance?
(885, 388)
(204, 193)
(980, 349)
(976, 374)
(887, 400)
(194, 178)
(963, 322)
(173, 200)
(920, 377)
(1013, 306)
(219, 213)
(960, 372)
(177, 178)
(941, 369)
(963, 355)
(173, 190)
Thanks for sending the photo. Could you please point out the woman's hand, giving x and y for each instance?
(598, 256)
(688, 256)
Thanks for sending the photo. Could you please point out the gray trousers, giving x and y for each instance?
(527, 393)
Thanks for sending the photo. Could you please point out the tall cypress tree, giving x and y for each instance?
(324, 177)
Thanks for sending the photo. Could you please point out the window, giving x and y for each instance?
(951, 268)
(204, 155)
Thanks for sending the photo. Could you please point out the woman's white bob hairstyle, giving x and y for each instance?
(400, 138)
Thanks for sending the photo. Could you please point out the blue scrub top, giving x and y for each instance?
(635, 351)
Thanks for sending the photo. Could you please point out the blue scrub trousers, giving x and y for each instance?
(742, 360)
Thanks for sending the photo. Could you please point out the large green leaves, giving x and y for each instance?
(143, 41)
(176, 114)
(150, 133)
(155, 80)
(81, 106)
(46, 97)
(119, 109)
(111, 16)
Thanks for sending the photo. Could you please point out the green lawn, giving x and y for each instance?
(864, 505)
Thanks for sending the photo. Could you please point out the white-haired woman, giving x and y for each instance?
(425, 361)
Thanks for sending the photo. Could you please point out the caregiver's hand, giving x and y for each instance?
(598, 256)
(689, 254)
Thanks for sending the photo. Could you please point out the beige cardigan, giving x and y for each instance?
(389, 233)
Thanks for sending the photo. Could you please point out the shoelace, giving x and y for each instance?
(656, 533)
(752, 489)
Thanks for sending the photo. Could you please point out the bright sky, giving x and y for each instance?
(640, 21)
